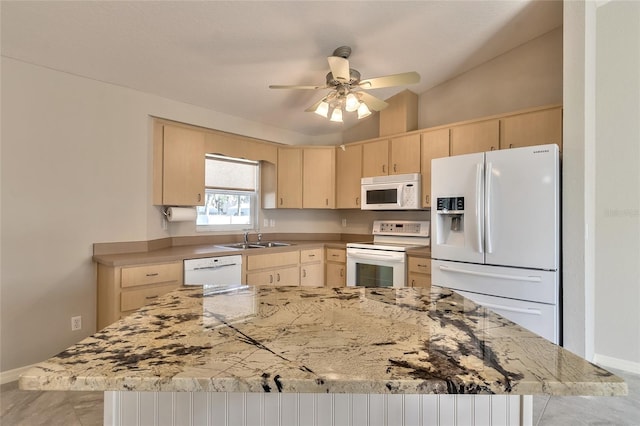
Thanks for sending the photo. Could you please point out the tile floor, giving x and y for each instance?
(31, 408)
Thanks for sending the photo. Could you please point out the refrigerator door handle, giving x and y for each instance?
(512, 309)
(487, 208)
(533, 279)
(479, 182)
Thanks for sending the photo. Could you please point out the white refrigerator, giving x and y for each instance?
(495, 234)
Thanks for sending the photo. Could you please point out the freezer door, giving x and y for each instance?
(457, 215)
(522, 196)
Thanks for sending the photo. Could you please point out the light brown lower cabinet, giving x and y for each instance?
(122, 290)
(419, 272)
(280, 268)
(336, 267)
(312, 267)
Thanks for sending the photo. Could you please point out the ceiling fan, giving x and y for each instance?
(347, 90)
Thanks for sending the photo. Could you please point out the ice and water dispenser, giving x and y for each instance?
(449, 221)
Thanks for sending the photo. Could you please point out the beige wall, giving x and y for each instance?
(527, 76)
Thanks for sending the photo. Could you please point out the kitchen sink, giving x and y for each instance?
(262, 244)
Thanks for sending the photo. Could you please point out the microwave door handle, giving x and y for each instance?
(399, 198)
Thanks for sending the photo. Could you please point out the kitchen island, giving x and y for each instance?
(291, 355)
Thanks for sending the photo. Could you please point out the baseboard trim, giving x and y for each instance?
(13, 375)
(617, 363)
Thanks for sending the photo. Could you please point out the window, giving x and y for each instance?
(231, 188)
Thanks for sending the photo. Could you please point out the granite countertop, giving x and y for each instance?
(296, 339)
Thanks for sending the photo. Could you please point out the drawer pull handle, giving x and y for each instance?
(153, 274)
(270, 279)
(151, 297)
(312, 255)
(278, 275)
(304, 273)
(421, 266)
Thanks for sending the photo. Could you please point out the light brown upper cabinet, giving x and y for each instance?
(289, 178)
(319, 178)
(348, 176)
(475, 137)
(532, 128)
(375, 158)
(435, 144)
(178, 166)
(405, 154)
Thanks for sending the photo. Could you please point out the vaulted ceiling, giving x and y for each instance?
(223, 55)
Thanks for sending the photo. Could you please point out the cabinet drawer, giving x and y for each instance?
(420, 264)
(134, 299)
(260, 261)
(151, 274)
(312, 255)
(336, 255)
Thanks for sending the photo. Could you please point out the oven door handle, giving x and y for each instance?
(372, 256)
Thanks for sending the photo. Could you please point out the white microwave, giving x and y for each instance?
(393, 192)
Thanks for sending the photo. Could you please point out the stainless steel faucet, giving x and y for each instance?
(246, 237)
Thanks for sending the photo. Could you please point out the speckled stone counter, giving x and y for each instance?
(320, 340)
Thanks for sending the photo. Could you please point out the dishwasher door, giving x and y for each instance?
(223, 270)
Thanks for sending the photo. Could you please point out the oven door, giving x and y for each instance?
(375, 268)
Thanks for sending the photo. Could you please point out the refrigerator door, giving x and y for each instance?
(457, 218)
(522, 207)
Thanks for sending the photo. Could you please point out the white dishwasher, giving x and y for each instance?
(223, 270)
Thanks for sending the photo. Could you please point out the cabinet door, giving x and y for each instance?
(312, 275)
(405, 155)
(475, 137)
(419, 280)
(435, 144)
(375, 158)
(287, 276)
(336, 275)
(348, 175)
(182, 167)
(289, 178)
(260, 278)
(534, 128)
(319, 178)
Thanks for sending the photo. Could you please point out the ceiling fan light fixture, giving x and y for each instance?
(351, 103)
(363, 111)
(336, 115)
(322, 109)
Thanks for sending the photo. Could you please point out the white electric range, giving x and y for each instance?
(383, 262)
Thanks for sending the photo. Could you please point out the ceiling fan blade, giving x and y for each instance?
(390, 80)
(339, 68)
(372, 102)
(279, 86)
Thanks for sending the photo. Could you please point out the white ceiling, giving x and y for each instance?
(222, 55)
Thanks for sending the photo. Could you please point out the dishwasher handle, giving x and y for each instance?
(204, 268)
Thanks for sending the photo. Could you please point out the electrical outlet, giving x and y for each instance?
(265, 223)
(272, 222)
(76, 323)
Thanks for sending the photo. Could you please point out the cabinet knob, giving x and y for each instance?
(153, 274)
(304, 273)
(493, 148)
(280, 200)
(426, 199)
(384, 167)
(394, 168)
(199, 197)
(278, 275)
(151, 297)
(510, 145)
(357, 201)
(326, 201)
